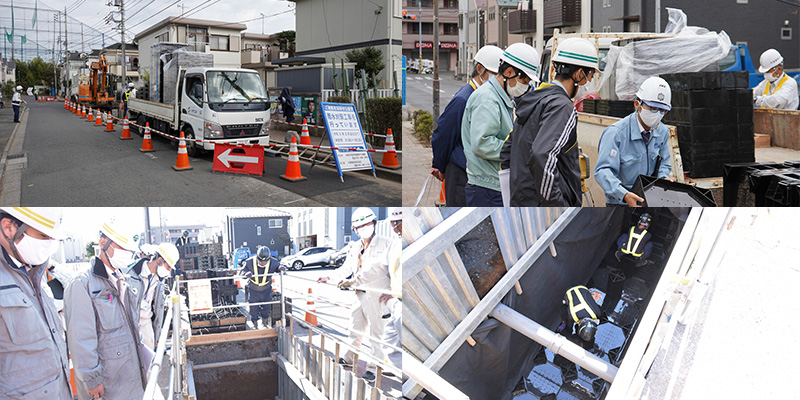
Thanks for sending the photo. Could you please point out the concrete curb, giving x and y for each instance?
(11, 180)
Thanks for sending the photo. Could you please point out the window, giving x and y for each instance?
(450, 29)
(220, 43)
(492, 11)
(164, 37)
(427, 28)
(197, 38)
(607, 29)
(194, 88)
(258, 230)
(786, 33)
(275, 223)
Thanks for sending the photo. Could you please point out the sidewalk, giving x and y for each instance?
(417, 169)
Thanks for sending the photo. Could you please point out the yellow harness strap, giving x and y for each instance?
(782, 81)
(582, 305)
(632, 235)
(264, 278)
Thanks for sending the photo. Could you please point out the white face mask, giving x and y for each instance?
(650, 118)
(517, 90)
(768, 76)
(162, 271)
(36, 251)
(121, 259)
(366, 231)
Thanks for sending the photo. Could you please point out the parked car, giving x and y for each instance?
(308, 257)
(337, 259)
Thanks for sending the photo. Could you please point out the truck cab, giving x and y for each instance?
(229, 105)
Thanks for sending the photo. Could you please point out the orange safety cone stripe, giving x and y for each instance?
(293, 173)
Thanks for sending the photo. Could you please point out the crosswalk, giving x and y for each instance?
(420, 78)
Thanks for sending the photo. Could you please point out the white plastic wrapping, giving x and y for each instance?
(691, 49)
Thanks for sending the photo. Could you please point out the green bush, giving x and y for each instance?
(423, 125)
(339, 99)
(382, 114)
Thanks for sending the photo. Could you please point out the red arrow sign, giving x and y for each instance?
(238, 160)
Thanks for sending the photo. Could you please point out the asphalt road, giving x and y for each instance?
(71, 162)
(419, 90)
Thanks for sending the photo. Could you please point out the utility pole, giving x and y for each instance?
(124, 60)
(66, 55)
(82, 49)
(148, 236)
(420, 36)
(435, 62)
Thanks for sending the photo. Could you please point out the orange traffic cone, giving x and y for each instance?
(182, 163)
(90, 115)
(304, 137)
(311, 318)
(293, 166)
(65, 104)
(147, 143)
(389, 159)
(83, 112)
(97, 120)
(109, 123)
(442, 198)
(126, 131)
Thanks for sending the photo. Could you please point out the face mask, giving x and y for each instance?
(36, 251)
(162, 271)
(120, 259)
(366, 231)
(517, 90)
(650, 118)
(768, 76)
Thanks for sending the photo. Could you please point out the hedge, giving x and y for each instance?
(382, 114)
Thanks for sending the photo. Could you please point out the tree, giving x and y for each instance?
(35, 72)
(286, 42)
(90, 249)
(369, 60)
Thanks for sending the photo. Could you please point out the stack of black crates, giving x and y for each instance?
(202, 256)
(612, 108)
(713, 112)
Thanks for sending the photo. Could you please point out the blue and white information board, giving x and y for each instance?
(344, 131)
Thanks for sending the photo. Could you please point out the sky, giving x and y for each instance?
(140, 14)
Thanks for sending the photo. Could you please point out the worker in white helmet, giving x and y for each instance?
(126, 97)
(33, 353)
(543, 148)
(394, 307)
(488, 120)
(367, 262)
(449, 163)
(777, 91)
(636, 145)
(146, 276)
(102, 315)
(16, 102)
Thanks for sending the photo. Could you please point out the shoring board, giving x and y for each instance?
(454, 340)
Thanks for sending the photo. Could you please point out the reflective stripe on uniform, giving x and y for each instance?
(582, 305)
(632, 235)
(264, 278)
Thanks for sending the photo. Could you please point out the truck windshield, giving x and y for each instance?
(235, 87)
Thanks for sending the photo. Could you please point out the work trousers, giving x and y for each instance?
(482, 197)
(455, 182)
(262, 310)
(391, 334)
(366, 314)
(16, 113)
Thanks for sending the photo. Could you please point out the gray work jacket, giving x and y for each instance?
(103, 335)
(157, 302)
(33, 353)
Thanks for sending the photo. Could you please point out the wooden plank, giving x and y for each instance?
(418, 254)
(454, 340)
(231, 337)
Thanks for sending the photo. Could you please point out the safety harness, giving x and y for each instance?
(575, 294)
(264, 278)
(631, 236)
(777, 88)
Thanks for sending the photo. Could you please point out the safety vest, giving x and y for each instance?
(782, 81)
(264, 278)
(127, 95)
(581, 304)
(631, 236)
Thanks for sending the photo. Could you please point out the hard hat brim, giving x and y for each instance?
(655, 104)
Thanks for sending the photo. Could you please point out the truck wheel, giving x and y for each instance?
(191, 147)
(141, 121)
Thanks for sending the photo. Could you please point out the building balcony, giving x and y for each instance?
(522, 21)
(561, 13)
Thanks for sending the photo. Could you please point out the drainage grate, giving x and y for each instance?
(16, 161)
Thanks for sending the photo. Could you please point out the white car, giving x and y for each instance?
(308, 257)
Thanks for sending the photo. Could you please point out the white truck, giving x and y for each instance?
(223, 104)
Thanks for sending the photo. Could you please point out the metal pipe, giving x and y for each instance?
(232, 363)
(430, 380)
(361, 288)
(176, 341)
(283, 302)
(556, 343)
(155, 367)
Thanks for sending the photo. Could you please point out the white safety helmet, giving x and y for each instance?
(169, 253)
(577, 51)
(523, 57)
(19, 88)
(362, 216)
(489, 57)
(44, 219)
(130, 85)
(656, 93)
(120, 235)
(770, 59)
(396, 214)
